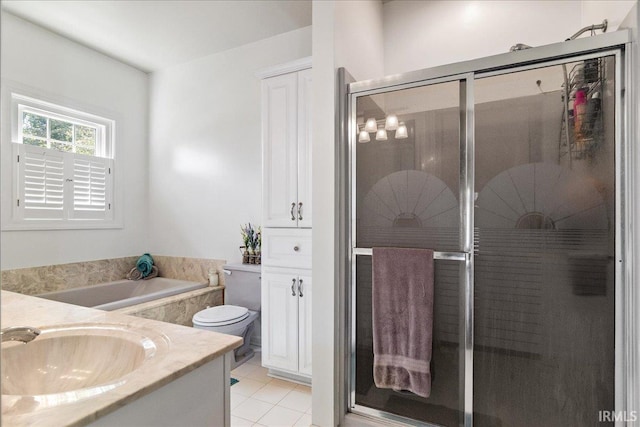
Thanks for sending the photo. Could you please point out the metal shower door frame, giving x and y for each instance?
(466, 73)
(463, 255)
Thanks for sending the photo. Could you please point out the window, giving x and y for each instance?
(62, 134)
(63, 166)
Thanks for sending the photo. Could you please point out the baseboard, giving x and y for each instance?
(299, 379)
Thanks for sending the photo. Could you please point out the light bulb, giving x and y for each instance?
(391, 123)
(364, 136)
(401, 132)
(381, 135)
(371, 125)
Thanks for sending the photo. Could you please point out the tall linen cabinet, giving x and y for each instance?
(286, 218)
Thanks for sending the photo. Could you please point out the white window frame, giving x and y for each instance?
(72, 216)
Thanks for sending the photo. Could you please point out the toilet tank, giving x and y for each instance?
(242, 285)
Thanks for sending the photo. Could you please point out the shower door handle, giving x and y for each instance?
(293, 206)
(300, 211)
(293, 287)
(300, 288)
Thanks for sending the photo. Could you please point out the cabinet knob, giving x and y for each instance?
(296, 248)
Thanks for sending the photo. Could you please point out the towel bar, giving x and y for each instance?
(447, 256)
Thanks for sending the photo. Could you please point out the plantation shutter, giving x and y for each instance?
(53, 185)
(92, 184)
(40, 183)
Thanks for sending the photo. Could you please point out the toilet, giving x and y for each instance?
(240, 312)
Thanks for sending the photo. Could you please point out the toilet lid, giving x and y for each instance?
(221, 315)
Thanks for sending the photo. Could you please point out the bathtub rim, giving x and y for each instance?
(188, 286)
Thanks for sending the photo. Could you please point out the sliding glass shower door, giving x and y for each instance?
(544, 324)
(407, 179)
(513, 177)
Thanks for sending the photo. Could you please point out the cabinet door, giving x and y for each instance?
(304, 148)
(280, 151)
(304, 329)
(280, 321)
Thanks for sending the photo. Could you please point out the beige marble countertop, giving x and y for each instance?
(188, 349)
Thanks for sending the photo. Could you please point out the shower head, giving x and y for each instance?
(591, 28)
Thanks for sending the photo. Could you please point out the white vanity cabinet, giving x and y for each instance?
(286, 150)
(286, 321)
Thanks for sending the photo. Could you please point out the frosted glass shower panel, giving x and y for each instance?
(443, 406)
(407, 175)
(544, 313)
(407, 168)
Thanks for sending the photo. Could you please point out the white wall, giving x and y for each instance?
(426, 34)
(205, 147)
(43, 63)
(345, 34)
(359, 39)
(325, 380)
(614, 11)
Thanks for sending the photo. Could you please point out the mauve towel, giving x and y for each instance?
(402, 319)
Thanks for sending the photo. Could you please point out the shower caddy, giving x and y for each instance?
(582, 127)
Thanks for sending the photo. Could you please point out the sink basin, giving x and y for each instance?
(70, 363)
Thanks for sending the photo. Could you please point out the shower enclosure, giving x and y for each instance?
(512, 169)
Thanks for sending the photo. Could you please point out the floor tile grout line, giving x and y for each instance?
(299, 418)
(273, 406)
(278, 400)
(299, 388)
(252, 393)
(251, 421)
(246, 419)
(283, 407)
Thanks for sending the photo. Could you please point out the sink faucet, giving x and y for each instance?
(19, 333)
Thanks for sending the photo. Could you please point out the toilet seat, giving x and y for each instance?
(221, 315)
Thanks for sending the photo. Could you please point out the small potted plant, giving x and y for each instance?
(252, 240)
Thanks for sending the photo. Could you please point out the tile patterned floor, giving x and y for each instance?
(262, 401)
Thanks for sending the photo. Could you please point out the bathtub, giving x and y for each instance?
(123, 293)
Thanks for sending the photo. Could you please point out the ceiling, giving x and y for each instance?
(154, 34)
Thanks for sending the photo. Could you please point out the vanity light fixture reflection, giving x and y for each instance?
(371, 125)
(364, 136)
(381, 135)
(381, 127)
(401, 132)
(391, 123)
